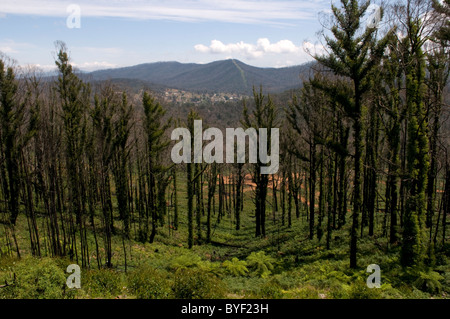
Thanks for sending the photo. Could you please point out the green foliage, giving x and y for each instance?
(196, 284)
(260, 264)
(424, 280)
(247, 287)
(36, 279)
(4, 250)
(359, 290)
(356, 290)
(148, 283)
(389, 292)
(446, 282)
(413, 245)
(184, 261)
(429, 282)
(211, 268)
(271, 290)
(102, 283)
(443, 8)
(236, 267)
(189, 260)
(305, 292)
(12, 114)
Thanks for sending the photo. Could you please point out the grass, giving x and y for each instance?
(284, 264)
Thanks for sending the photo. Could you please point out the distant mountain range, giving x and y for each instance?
(231, 76)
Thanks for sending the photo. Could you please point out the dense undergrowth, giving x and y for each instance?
(285, 264)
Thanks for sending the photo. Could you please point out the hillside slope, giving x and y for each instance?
(231, 76)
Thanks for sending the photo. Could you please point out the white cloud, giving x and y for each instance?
(283, 53)
(7, 49)
(251, 51)
(43, 67)
(99, 50)
(239, 11)
(11, 46)
(85, 66)
(283, 64)
(97, 57)
(95, 65)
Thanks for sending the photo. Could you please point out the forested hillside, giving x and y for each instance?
(87, 177)
(229, 76)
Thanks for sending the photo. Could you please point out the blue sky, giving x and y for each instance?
(265, 33)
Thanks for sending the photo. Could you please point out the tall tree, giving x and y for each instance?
(354, 54)
(121, 129)
(156, 143)
(12, 112)
(190, 180)
(438, 74)
(415, 15)
(212, 182)
(264, 115)
(74, 99)
(102, 115)
(388, 87)
(442, 9)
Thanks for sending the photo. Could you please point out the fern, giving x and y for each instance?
(236, 267)
(429, 282)
(261, 264)
(185, 261)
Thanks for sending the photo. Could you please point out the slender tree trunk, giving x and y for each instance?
(312, 188)
(357, 185)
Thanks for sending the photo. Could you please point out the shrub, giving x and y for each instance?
(339, 291)
(423, 280)
(260, 263)
(271, 290)
(184, 261)
(195, 284)
(37, 279)
(359, 290)
(306, 292)
(388, 292)
(211, 268)
(236, 267)
(102, 283)
(244, 286)
(429, 282)
(446, 285)
(149, 283)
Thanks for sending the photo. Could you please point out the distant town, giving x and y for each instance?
(180, 96)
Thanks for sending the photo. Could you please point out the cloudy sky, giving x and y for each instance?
(265, 33)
